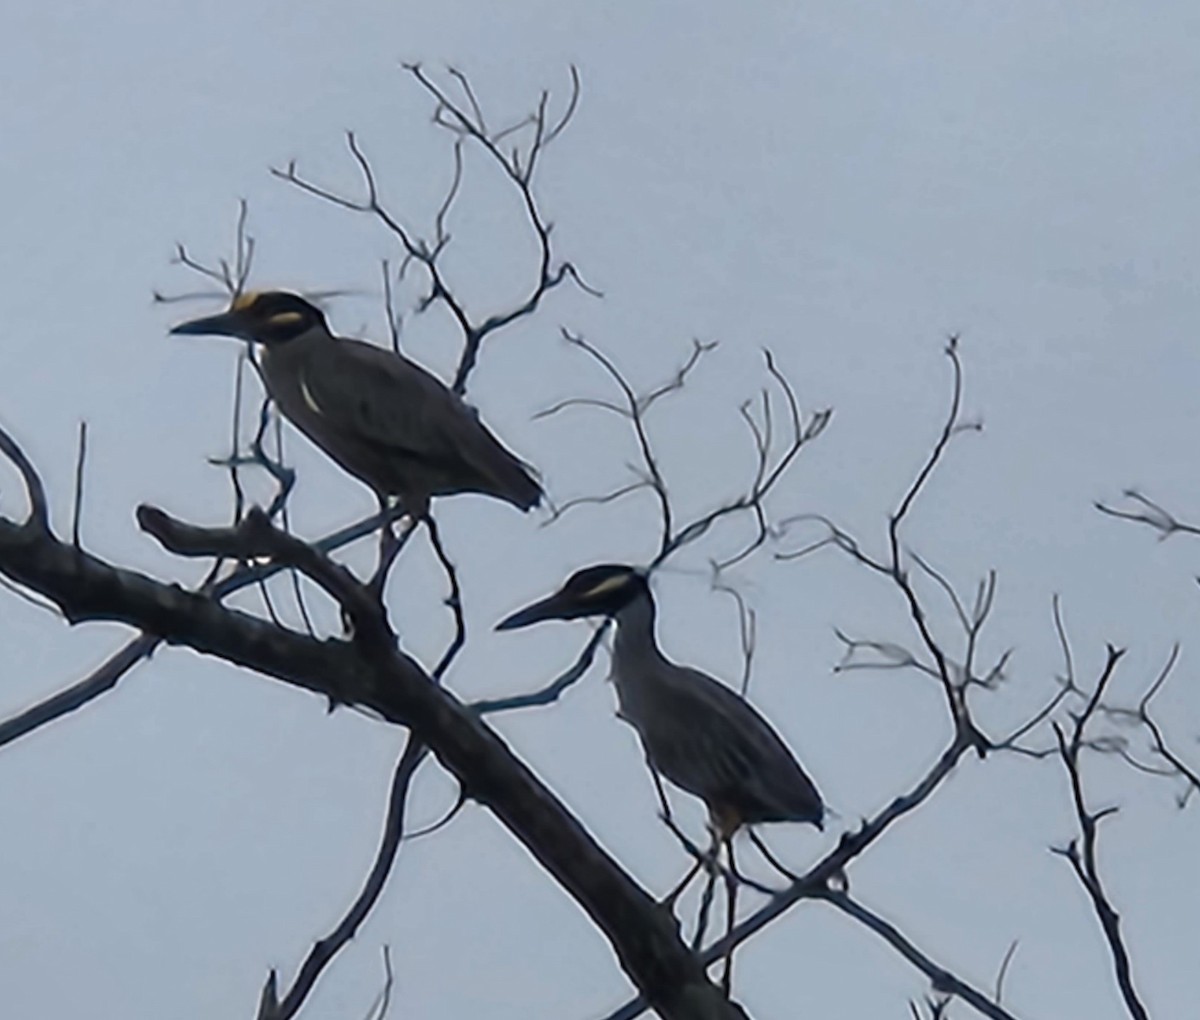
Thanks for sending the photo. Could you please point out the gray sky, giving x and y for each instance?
(843, 183)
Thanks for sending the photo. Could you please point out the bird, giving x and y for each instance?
(695, 731)
(383, 418)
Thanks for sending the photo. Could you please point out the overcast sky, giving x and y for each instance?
(844, 184)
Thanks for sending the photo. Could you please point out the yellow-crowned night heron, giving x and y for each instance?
(383, 418)
(695, 731)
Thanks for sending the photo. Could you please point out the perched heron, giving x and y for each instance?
(695, 731)
(383, 418)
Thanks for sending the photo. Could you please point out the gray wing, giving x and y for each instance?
(716, 745)
(385, 400)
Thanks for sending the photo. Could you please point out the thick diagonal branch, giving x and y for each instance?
(642, 934)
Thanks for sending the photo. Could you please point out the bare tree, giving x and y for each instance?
(363, 665)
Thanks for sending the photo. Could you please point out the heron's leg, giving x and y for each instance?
(744, 879)
(701, 858)
(662, 794)
(731, 886)
(706, 898)
(770, 858)
(387, 534)
(668, 901)
(390, 544)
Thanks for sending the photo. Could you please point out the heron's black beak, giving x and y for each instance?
(555, 607)
(225, 324)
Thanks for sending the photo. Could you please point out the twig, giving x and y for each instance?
(39, 508)
(465, 120)
(998, 995)
(1066, 688)
(943, 980)
(394, 318)
(453, 601)
(1150, 513)
(1081, 852)
(1160, 744)
(255, 536)
(106, 676)
(323, 951)
(830, 867)
(383, 1001)
(80, 464)
(550, 693)
(633, 407)
(747, 626)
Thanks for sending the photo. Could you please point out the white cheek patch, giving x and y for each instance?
(309, 399)
(285, 318)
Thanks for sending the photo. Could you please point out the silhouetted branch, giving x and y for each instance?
(955, 679)
(255, 537)
(322, 953)
(1150, 513)
(550, 693)
(1066, 688)
(766, 476)
(1002, 973)
(230, 276)
(943, 981)
(1081, 852)
(747, 626)
(395, 688)
(383, 1001)
(106, 676)
(830, 869)
(453, 601)
(557, 510)
(770, 462)
(77, 501)
(35, 491)
(465, 120)
(884, 655)
(1160, 745)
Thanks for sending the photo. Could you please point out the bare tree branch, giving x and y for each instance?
(552, 691)
(453, 601)
(106, 676)
(77, 502)
(1191, 775)
(1002, 973)
(633, 407)
(1065, 681)
(35, 491)
(383, 1001)
(397, 689)
(255, 537)
(1149, 513)
(323, 952)
(831, 867)
(465, 121)
(747, 626)
(1081, 852)
(943, 980)
(954, 680)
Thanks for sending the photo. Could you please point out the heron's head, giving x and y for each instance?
(594, 591)
(266, 317)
